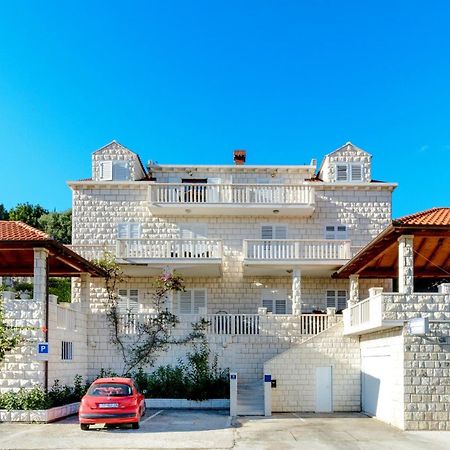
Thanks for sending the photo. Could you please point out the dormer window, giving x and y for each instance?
(114, 171)
(349, 172)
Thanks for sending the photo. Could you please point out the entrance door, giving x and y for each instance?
(324, 394)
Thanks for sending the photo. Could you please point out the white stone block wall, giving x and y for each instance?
(389, 342)
(295, 369)
(20, 368)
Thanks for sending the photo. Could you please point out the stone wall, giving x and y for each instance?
(295, 372)
(21, 367)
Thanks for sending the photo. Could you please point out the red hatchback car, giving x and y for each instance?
(111, 401)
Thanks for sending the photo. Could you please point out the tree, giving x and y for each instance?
(58, 225)
(27, 213)
(4, 215)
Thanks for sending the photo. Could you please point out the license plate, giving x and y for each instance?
(108, 405)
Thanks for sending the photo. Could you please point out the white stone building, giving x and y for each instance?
(244, 237)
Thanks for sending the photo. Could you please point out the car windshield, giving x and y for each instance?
(109, 390)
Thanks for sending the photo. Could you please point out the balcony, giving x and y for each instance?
(231, 199)
(277, 256)
(276, 325)
(140, 257)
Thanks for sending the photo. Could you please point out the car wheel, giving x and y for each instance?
(84, 426)
(135, 425)
(144, 410)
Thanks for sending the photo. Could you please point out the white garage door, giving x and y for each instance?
(377, 386)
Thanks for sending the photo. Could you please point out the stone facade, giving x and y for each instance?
(295, 372)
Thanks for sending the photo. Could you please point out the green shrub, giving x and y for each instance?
(37, 398)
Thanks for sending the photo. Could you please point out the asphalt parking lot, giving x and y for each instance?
(215, 430)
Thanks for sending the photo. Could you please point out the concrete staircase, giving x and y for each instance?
(250, 399)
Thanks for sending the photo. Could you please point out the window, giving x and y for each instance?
(336, 232)
(273, 232)
(129, 230)
(337, 299)
(128, 302)
(349, 172)
(191, 301)
(275, 301)
(114, 170)
(66, 351)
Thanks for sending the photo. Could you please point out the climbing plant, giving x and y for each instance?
(10, 336)
(152, 336)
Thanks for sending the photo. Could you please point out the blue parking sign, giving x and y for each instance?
(42, 351)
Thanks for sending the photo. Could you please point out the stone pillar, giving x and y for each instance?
(40, 275)
(354, 290)
(85, 291)
(406, 264)
(296, 292)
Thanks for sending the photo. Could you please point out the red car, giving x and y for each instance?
(111, 401)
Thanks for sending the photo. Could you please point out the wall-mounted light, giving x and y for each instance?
(276, 211)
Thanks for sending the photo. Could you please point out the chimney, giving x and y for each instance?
(239, 157)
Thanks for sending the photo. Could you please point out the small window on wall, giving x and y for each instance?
(129, 230)
(337, 299)
(114, 171)
(128, 302)
(349, 172)
(191, 300)
(336, 232)
(66, 351)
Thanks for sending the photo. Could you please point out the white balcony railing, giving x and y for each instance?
(92, 251)
(364, 315)
(291, 249)
(241, 324)
(169, 249)
(262, 194)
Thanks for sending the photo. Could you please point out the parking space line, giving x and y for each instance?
(151, 417)
(298, 417)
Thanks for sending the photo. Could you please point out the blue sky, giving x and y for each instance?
(191, 81)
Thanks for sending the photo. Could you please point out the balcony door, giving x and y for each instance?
(270, 249)
(191, 245)
(193, 193)
(214, 190)
(275, 300)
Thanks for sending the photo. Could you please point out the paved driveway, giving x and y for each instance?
(215, 430)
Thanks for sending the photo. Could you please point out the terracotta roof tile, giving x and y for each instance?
(433, 216)
(19, 231)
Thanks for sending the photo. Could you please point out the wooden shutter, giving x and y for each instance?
(268, 303)
(122, 301)
(330, 232)
(331, 299)
(185, 302)
(341, 172)
(133, 301)
(341, 300)
(341, 232)
(280, 306)
(199, 299)
(356, 172)
(193, 230)
(106, 170)
(273, 232)
(122, 230)
(134, 230)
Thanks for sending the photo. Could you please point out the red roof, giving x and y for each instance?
(19, 231)
(433, 216)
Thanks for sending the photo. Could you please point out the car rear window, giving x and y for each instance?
(110, 389)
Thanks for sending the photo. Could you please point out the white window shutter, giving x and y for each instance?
(193, 230)
(199, 299)
(330, 232)
(280, 306)
(106, 171)
(356, 172)
(341, 232)
(331, 299)
(185, 302)
(341, 300)
(341, 172)
(122, 230)
(280, 232)
(266, 232)
(122, 301)
(268, 303)
(134, 231)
